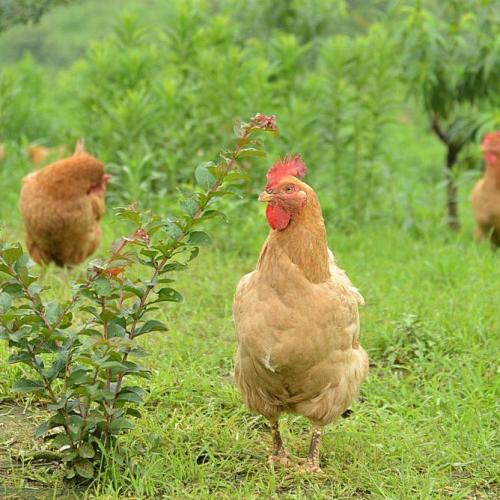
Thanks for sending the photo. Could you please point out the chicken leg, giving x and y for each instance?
(280, 454)
(312, 462)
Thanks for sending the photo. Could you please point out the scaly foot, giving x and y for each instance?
(307, 467)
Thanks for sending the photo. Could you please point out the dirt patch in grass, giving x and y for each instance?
(25, 468)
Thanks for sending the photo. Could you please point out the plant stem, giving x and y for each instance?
(231, 165)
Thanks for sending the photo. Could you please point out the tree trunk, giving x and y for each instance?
(452, 189)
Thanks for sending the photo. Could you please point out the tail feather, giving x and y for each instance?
(80, 147)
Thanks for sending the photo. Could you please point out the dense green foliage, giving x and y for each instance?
(452, 63)
(14, 12)
(356, 87)
(153, 98)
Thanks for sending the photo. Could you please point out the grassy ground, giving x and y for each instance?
(425, 423)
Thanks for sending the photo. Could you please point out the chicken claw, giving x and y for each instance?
(280, 455)
(311, 464)
(309, 468)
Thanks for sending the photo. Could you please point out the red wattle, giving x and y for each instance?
(277, 217)
(491, 158)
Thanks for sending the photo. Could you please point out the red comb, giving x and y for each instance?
(288, 166)
(491, 138)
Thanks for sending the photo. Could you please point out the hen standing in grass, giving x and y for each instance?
(62, 205)
(485, 196)
(42, 154)
(297, 317)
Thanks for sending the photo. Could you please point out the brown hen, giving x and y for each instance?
(485, 197)
(42, 154)
(296, 318)
(61, 206)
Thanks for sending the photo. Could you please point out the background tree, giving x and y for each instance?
(451, 59)
(14, 12)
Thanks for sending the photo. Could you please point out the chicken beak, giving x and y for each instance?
(266, 197)
(106, 178)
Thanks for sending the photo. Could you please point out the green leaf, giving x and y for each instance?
(136, 290)
(61, 440)
(76, 423)
(169, 295)
(129, 214)
(114, 365)
(194, 253)
(21, 357)
(53, 311)
(86, 450)
(151, 325)
(133, 411)
(84, 468)
(26, 385)
(5, 302)
(79, 376)
(154, 225)
(13, 289)
(116, 330)
(30, 319)
(149, 253)
(130, 396)
(237, 176)
(189, 206)
(204, 177)
(4, 268)
(173, 230)
(245, 152)
(199, 238)
(120, 424)
(56, 368)
(12, 254)
(107, 315)
(173, 266)
(102, 287)
(21, 334)
(70, 473)
(44, 427)
(209, 214)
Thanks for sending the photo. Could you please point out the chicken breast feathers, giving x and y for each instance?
(298, 348)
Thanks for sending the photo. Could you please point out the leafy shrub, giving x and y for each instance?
(25, 109)
(83, 364)
(451, 63)
(408, 342)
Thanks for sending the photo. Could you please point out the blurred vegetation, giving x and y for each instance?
(155, 89)
(25, 11)
(451, 62)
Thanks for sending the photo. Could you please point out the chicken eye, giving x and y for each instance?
(289, 189)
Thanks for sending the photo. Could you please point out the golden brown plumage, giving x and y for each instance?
(297, 319)
(42, 154)
(485, 197)
(61, 206)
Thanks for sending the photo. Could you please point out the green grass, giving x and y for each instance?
(425, 423)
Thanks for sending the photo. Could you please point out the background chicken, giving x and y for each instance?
(61, 206)
(297, 318)
(42, 154)
(485, 196)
